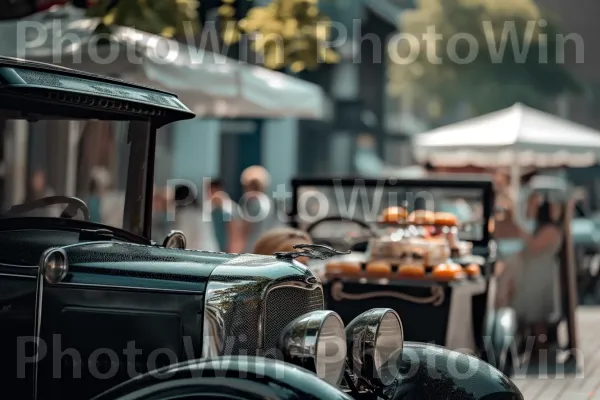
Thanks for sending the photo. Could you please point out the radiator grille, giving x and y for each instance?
(282, 306)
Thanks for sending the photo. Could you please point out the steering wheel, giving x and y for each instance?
(346, 240)
(73, 205)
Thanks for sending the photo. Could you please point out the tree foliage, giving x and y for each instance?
(285, 33)
(168, 18)
(518, 57)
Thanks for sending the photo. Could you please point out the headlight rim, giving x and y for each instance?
(299, 341)
(175, 240)
(361, 338)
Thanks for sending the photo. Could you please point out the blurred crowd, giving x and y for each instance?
(211, 220)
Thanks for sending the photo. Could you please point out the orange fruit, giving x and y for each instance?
(378, 269)
(448, 272)
(473, 270)
(445, 219)
(393, 215)
(422, 217)
(343, 268)
(411, 271)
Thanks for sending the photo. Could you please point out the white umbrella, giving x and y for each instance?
(210, 84)
(517, 136)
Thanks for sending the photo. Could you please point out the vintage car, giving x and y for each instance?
(424, 248)
(97, 311)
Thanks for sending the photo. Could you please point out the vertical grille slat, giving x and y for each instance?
(282, 306)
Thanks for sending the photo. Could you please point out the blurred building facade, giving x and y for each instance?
(579, 17)
(359, 103)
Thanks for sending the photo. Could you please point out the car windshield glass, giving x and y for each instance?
(57, 160)
(367, 203)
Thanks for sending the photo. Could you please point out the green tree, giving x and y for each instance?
(286, 33)
(168, 18)
(517, 59)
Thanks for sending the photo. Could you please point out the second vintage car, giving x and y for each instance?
(423, 247)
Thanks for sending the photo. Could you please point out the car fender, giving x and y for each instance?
(429, 372)
(245, 377)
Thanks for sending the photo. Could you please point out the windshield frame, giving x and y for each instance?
(139, 190)
(485, 185)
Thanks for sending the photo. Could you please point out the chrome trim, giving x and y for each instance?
(17, 265)
(239, 287)
(361, 337)
(134, 288)
(308, 286)
(299, 341)
(37, 327)
(172, 239)
(18, 276)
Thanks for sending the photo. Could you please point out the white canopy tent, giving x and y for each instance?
(517, 137)
(210, 84)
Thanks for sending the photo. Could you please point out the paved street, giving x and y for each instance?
(585, 385)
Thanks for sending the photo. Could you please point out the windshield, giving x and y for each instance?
(367, 203)
(61, 159)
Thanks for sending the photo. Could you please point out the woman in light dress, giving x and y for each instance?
(530, 278)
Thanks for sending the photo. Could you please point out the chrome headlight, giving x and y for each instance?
(175, 240)
(53, 265)
(375, 340)
(316, 341)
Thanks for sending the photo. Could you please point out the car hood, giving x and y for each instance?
(152, 267)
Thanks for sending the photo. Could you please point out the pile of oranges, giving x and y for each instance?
(383, 269)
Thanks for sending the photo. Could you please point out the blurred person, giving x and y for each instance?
(501, 180)
(162, 203)
(257, 210)
(505, 220)
(366, 159)
(221, 213)
(39, 189)
(189, 220)
(94, 200)
(281, 240)
(511, 241)
(99, 182)
(536, 291)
